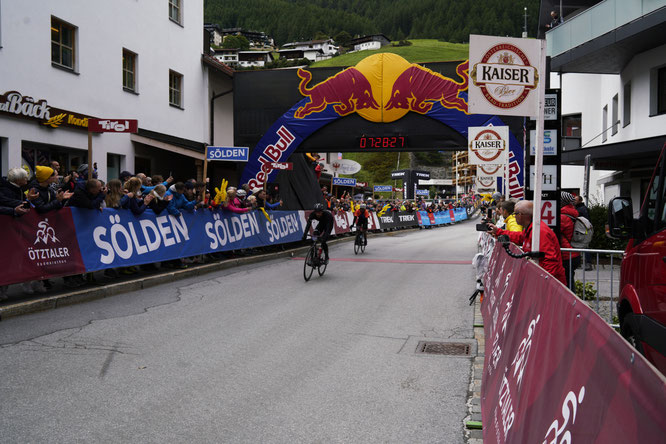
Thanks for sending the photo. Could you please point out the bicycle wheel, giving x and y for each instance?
(322, 267)
(357, 244)
(307, 268)
(362, 241)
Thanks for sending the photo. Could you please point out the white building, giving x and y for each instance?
(123, 59)
(313, 50)
(376, 41)
(611, 57)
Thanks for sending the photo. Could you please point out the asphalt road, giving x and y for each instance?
(255, 354)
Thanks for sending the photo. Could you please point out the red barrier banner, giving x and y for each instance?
(556, 372)
(38, 246)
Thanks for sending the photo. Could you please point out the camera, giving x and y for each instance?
(26, 205)
(482, 227)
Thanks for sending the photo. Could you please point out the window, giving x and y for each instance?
(615, 113)
(626, 104)
(175, 89)
(571, 125)
(175, 11)
(129, 71)
(604, 124)
(661, 90)
(63, 51)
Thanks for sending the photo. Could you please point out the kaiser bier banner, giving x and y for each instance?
(488, 145)
(504, 75)
(486, 176)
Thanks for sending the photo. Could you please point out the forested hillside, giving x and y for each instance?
(447, 20)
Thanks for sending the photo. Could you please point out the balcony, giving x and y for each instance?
(604, 37)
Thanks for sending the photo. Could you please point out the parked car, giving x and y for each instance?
(642, 302)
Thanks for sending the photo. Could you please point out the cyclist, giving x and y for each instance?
(324, 227)
(361, 221)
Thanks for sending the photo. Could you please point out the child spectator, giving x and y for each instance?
(114, 194)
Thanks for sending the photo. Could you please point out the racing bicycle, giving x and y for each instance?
(359, 242)
(314, 259)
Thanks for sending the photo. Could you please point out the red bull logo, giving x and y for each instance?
(349, 90)
(400, 86)
(418, 88)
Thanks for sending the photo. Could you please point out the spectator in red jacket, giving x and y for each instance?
(548, 243)
(568, 215)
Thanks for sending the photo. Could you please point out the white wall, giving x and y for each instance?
(104, 29)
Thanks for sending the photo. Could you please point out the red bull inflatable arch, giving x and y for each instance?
(381, 88)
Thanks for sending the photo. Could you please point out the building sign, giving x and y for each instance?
(549, 108)
(420, 192)
(549, 178)
(382, 188)
(113, 125)
(487, 144)
(344, 182)
(344, 166)
(504, 75)
(15, 104)
(228, 153)
(549, 142)
(362, 184)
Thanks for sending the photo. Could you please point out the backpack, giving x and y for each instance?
(582, 233)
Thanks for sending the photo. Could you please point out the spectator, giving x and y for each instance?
(552, 262)
(12, 189)
(241, 195)
(48, 199)
(154, 181)
(568, 215)
(91, 196)
(506, 209)
(583, 211)
(555, 20)
(178, 201)
(233, 203)
(251, 202)
(69, 182)
(124, 176)
(262, 202)
(160, 200)
(114, 194)
(133, 200)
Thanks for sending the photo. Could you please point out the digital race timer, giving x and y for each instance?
(382, 142)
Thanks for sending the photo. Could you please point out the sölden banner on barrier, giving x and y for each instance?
(555, 371)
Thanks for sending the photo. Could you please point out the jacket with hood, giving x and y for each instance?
(178, 202)
(567, 229)
(10, 195)
(47, 200)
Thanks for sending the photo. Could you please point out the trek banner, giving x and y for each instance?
(37, 246)
(554, 370)
(118, 238)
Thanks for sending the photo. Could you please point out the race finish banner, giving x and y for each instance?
(555, 371)
(506, 78)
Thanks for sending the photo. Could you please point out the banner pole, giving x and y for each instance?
(205, 170)
(90, 155)
(538, 167)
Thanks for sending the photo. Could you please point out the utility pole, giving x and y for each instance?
(525, 25)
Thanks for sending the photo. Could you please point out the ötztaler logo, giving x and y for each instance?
(505, 76)
(487, 145)
(45, 233)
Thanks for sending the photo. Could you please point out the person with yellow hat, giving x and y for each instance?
(47, 199)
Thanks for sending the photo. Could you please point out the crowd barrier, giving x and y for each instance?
(554, 371)
(73, 241)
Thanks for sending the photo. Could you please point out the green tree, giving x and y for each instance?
(342, 38)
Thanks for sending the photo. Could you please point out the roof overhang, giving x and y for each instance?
(619, 156)
(165, 142)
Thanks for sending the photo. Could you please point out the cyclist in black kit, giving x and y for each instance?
(324, 227)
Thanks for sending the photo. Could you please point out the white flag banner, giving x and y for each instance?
(504, 75)
(488, 145)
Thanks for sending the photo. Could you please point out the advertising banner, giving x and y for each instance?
(113, 125)
(441, 217)
(397, 219)
(555, 371)
(549, 142)
(486, 176)
(382, 188)
(504, 75)
(488, 145)
(118, 238)
(344, 182)
(38, 246)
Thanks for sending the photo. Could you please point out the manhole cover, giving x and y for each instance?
(442, 348)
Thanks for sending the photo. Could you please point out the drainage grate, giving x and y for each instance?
(442, 348)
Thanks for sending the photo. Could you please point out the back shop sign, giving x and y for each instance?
(15, 104)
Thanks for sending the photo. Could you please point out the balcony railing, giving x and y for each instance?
(597, 21)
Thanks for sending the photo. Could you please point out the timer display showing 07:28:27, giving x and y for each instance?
(382, 142)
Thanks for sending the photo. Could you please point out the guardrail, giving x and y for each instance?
(604, 275)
